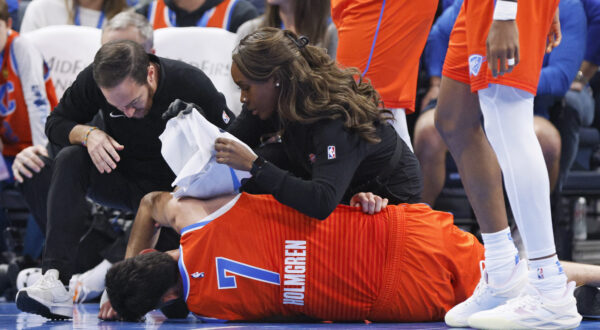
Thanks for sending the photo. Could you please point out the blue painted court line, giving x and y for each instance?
(85, 317)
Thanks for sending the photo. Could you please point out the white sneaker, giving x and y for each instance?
(28, 276)
(487, 297)
(531, 310)
(80, 289)
(47, 297)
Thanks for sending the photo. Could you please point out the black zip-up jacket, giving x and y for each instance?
(326, 164)
(141, 156)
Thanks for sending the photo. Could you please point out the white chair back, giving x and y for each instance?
(67, 49)
(206, 48)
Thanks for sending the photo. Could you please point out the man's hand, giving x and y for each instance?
(502, 47)
(554, 35)
(103, 150)
(28, 160)
(178, 106)
(368, 202)
(234, 154)
(106, 311)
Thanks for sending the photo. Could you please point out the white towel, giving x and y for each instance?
(188, 146)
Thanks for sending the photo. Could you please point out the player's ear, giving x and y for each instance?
(171, 294)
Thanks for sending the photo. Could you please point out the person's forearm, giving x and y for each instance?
(588, 69)
(78, 134)
(582, 273)
(143, 230)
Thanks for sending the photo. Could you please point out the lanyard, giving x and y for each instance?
(77, 21)
(202, 22)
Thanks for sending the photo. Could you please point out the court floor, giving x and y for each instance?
(85, 317)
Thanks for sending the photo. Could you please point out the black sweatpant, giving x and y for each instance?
(57, 198)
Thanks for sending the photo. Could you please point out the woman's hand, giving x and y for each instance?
(234, 154)
(368, 202)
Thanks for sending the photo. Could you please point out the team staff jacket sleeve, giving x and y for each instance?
(331, 156)
(83, 99)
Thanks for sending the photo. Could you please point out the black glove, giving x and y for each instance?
(178, 106)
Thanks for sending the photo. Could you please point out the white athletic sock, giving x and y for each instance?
(508, 120)
(501, 256)
(400, 126)
(548, 276)
(94, 278)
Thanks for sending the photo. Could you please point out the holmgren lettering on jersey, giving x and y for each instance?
(294, 272)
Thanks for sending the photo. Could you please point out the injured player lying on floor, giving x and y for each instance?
(248, 257)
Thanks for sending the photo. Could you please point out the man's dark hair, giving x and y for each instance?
(117, 60)
(4, 14)
(135, 285)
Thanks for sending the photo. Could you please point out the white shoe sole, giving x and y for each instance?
(31, 305)
(484, 322)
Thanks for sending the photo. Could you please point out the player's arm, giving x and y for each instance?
(503, 38)
(150, 216)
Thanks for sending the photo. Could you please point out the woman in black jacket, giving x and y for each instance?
(336, 138)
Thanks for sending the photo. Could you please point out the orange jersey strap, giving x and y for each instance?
(161, 16)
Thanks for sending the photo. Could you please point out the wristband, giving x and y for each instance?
(580, 78)
(85, 138)
(505, 10)
(258, 163)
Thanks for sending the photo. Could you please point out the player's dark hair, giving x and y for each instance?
(136, 285)
(117, 60)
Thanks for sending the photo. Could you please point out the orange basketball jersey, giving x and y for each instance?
(466, 57)
(160, 16)
(255, 258)
(16, 129)
(384, 40)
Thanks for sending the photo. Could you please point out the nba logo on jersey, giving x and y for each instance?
(475, 64)
(198, 275)
(226, 118)
(330, 152)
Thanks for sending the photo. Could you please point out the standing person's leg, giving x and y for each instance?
(431, 150)
(400, 125)
(35, 192)
(384, 40)
(549, 301)
(458, 119)
(549, 139)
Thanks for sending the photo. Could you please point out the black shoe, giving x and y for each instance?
(588, 301)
